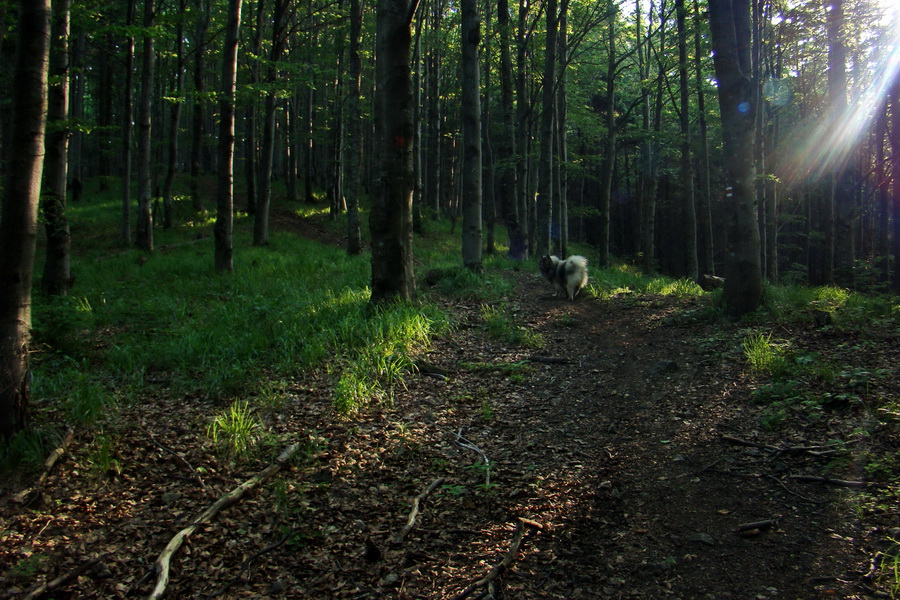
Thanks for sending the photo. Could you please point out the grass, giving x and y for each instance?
(236, 430)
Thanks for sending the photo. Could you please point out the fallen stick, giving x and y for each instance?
(49, 463)
(816, 450)
(514, 546)
(830, 481)
(757, 525)
(414, 513)
(163, 562)
(469, 445)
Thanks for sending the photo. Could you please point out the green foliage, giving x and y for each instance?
(26, 450)
(27, 570)
(101, 457)
(236, 430)
(625, 279)
(500, 326)
(765, 356)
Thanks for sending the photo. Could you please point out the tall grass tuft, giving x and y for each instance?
(236, 430)
(764, 355)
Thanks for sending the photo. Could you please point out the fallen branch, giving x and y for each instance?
(64, 579)
(514, 545)
(414, 513)
(757, 525)
(469, 445)
(161, 566)
(23, 496)
(816, 450)
(830, 481)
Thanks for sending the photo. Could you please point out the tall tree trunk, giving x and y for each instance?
(471, 137)
(261, 217)
(505, 153)
(608, 162)
(354, 132)
(545, 174)
(18, 225)
(390, 220)
(57, 277)
(706, 259)
(730, 26)
(842, 243)
(197, 127)
(127, 127)
(144, 232)
(174, 121)
(222, 230)
(894, 137)
(689, 240)
(251, 141)
(523, 197)
(561, 199)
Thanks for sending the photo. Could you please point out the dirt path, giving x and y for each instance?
(639, 495)
(610, 436)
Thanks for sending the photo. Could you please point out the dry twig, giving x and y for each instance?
(514, 545)
(414, 512)
(63, 579)
(23, 496)
(161, 566)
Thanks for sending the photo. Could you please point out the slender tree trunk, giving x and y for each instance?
(144, 232)
(222, 230)
(471, 137)
(894, 138)
(545, 174)
(174, 121)
(608, 162)
(841, 245)
(561, 138)
(354, 132)
(198, 118)
(730, 26)
(57, 277)
(261, 217)
(127, 127)
(706, 258)
(18, 223)
(523, 196)
(687, 166)
(251, 142)
(505, 153)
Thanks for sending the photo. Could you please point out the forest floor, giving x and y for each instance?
(620, 459)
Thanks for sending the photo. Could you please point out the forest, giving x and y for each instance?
(273, 321)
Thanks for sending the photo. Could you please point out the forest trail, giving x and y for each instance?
(618, 436)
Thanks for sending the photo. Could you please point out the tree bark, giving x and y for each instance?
(505, 153)
(197, 127)
(390, 220)
(471, 137)
(18, 225)
(730, 26)
(174, 121)
(261, 216)
(127, 126)
(144, 231)
(545, 167)
(689, 241)
(57, 277)
(222, 230)
(353, 175)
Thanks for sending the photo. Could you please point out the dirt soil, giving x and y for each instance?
(620, 460)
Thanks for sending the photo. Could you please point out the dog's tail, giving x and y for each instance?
(579, 261)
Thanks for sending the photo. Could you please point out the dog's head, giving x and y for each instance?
(547, 265)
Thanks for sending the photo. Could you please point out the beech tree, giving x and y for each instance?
(57, 276)
(730, 27)
(18, 222)
(390, 220)
(224, 226)
(471, 137)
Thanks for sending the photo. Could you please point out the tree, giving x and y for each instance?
(390, 220)
(687, 165)
(222, 230)
(18, 225)
(545, 174)
(57, 277)
(354, 131)
(505, 153)
(471, 137)
(730, 28)
(127, 126)
(144, 233)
